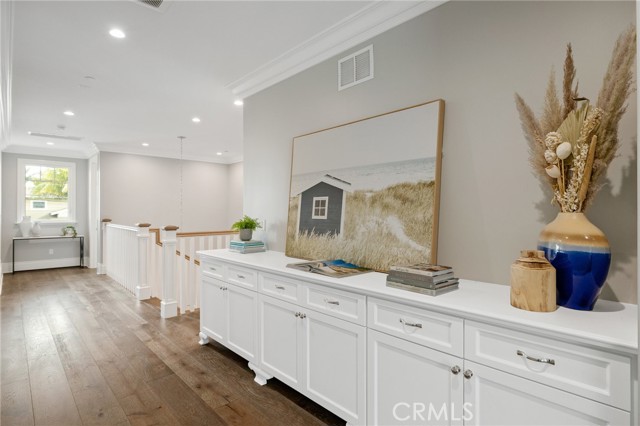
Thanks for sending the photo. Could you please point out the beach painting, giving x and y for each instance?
(368, 191)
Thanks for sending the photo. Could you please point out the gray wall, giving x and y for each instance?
(474, 55)
(39, 251)
(137, 188)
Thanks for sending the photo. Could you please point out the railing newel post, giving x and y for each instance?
(143, 290)
(102, 264)
(169, 305)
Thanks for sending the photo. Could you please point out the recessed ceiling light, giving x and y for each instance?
(69, 113)
(218, 153)
(145, 144)
(116, 33)
(238, 102)
(50, 143)
(195, 119)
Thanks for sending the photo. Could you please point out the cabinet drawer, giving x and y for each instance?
(437, 331)
(243, 277)
(598, 375)
(341, 304)
(280, 288)
(212, 268)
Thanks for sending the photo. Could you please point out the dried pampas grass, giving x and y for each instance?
(591, 131)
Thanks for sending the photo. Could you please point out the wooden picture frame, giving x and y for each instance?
(368, 191)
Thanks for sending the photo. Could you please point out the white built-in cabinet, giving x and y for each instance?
(374, 355)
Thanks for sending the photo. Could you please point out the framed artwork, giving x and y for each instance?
(368, 191)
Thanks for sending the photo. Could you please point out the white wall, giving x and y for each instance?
(474, 55)
(137, 188)
(65, 253)
(235, 192)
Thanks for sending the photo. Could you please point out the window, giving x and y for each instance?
(319, 207)
(46, 190)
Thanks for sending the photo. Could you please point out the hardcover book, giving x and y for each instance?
(426, 269)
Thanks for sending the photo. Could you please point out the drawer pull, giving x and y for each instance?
(411, 324)
(212, 268)
(240, 276)
(530, 358)
(455, 370)
(279, 287)
(331, 302)
(467, 374)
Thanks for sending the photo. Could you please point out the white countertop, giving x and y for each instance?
(611, 325)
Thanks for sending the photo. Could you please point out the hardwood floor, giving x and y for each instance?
(77, 349)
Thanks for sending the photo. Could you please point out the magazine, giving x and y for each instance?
(337, 268)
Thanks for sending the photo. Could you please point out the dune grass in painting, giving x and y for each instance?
(381, 228)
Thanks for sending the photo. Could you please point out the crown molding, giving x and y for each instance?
(83, 153)
(368, 22)
(225, 160)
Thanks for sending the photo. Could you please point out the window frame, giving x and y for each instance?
(326, 207)
(71, 186)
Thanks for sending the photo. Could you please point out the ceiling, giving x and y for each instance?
(186, 59)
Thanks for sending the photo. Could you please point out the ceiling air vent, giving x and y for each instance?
(355, 68)
(159, 5)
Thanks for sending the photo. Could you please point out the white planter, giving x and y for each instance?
(36, 231)
(25, 226)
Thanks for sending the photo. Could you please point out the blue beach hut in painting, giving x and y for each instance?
(321, 206)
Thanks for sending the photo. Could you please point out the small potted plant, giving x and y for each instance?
(69, 230)
(246, 226)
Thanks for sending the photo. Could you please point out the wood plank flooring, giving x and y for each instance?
(77, 349)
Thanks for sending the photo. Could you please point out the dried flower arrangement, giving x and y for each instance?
(572, 144)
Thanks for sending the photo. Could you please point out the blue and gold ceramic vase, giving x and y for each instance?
(581, 255)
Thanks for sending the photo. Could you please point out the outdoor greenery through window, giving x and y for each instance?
(46, 190)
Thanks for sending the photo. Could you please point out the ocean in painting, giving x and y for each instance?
(372, 177)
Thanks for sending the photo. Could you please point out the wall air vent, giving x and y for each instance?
(355, 68)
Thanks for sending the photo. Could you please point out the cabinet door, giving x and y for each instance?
(410, 384)
(242, 311)
(494, 397)
(335, 365)
(280, 328)
(213, 307)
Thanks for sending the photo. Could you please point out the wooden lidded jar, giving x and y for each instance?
(533, 282)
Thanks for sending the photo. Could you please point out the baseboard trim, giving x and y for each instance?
(31, 265)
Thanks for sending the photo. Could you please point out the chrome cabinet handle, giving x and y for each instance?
(303, 316)
(455, 370)
(297, 314)
(240, 276)
(411, 324)
(332, 302)
(223, 288)
(279, 287)
(467, 374)
(212, 268)
(541, 360)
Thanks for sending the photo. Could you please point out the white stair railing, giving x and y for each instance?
(185, 289)
(125, 256)
(160, 263)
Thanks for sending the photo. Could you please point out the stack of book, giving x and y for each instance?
(423, 278)
(252, 246)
